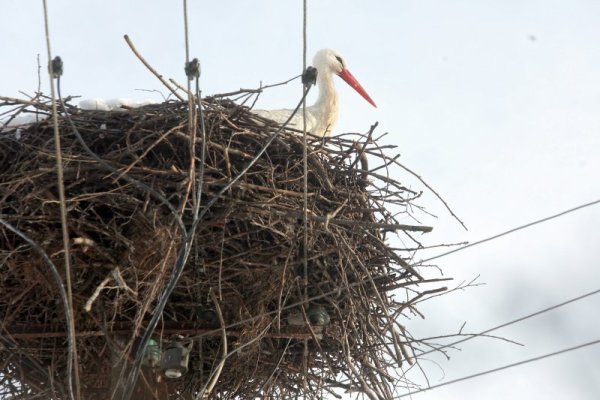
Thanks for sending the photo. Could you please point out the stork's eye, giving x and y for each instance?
(340, 60)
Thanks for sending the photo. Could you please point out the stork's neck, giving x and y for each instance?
(327, 104)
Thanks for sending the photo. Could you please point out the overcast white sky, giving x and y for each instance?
(495, 103)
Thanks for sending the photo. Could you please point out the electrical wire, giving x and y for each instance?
(304, 188)
(530, 224)
(72, 362)
(514, 321)
(490, 371)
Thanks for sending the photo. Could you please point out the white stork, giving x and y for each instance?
(322, 116)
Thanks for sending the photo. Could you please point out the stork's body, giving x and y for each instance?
(322, 116)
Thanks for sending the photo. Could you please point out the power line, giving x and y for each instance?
(535, 314)
(304, 187)
(464, 378)
(539, 221)
(54, 71)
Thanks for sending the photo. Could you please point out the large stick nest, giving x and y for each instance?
(248, 251)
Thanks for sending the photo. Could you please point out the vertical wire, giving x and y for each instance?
(185, 27)
(72, 363)
(191, 113)
(196, 190)
(305, 197)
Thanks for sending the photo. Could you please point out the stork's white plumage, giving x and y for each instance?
(322, 116)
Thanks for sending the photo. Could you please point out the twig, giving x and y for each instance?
(365, 224)
(150, 68)
(432, 190)
(259, 90)
(217, 372)
(88, 304)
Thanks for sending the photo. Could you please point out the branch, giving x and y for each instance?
(150, 68)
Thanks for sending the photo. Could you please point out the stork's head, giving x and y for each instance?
(329, 61)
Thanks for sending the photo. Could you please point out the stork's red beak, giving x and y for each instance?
(351, 80)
